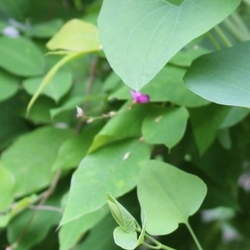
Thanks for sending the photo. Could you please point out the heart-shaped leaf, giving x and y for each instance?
(168, 196)
(140, 37)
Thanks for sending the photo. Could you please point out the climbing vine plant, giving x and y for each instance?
(124, 124)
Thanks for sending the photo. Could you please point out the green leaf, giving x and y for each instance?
(121, 215)
(110, 170)
(72, 232)
(76, 35)
(125, 240)
(57, 88)
(126, 124)
(20, 56)
(102, 234)
(75, 148)
(222, 77)
(34, 232)
(167, 86)
(205, 123)
(9, 85)
(140, 37)
(7, 184)
(168, 196)
(46, 29)
(234, 116)
(33, 155)
(165, 126)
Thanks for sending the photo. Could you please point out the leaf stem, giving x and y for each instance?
(197, 243)
(223, 36)
(213, 41)
(158, 244)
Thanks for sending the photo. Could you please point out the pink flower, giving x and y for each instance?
(139, 97)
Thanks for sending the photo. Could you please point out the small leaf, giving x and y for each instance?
(165, 126)
(57, 88)
(125, 240)
(168, 196)
(104, 172)
(219, 78)
(121, 215)
(76, 35)
(20, 56)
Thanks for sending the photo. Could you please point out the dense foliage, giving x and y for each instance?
(124, 124)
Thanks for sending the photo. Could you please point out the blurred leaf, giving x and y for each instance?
(164, 194)
(33, 226)
(102, 234)
(126, 124)
(76, 35)
(126, 240)
(7, 184)
(133, 42)
(168, 86)
(72, 151)
(72, 232)
(66, 106)
(20, 56)
(205, 123)
(33, 155)
(46, 29)
(8, 85)
(57, 88)
(165, 126)
(234, 116)
(222, 77)
(112, 169)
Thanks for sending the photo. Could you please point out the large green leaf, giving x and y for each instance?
(165, 126)
(140, 37)
(168, 196)
(76, 35)
(21, 57)
(32, 155)
(7, 184)
(72, 232)
(222, 77)
(57, 88)
(8, 85)
(110, 170)
(167, 86)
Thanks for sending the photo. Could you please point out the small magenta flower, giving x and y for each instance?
(139, 97)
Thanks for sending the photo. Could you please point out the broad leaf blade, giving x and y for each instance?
(140, 37)
(168, 196)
